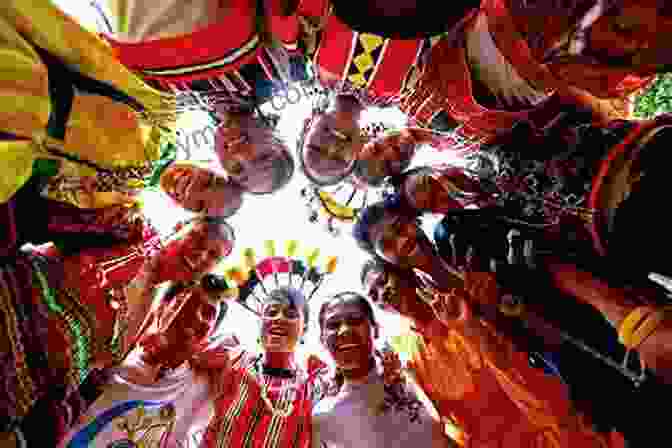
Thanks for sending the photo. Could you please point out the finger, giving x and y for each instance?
(515, 247)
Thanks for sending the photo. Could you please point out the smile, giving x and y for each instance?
(278, 332)
(347, 347)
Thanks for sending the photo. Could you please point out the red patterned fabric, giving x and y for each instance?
(601, 81)
(336, 50)
(209, 52)
(243, 420)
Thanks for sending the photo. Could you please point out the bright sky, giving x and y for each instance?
(280, 217)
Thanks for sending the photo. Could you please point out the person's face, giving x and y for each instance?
(390, 292)
(194, 188)
(198, 251)
(397, 240)
(282, 326)
(182, 326)
(348, 335)
(331, 142)
(248, 164)
(637, 26)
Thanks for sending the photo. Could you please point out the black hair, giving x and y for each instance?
(294, 297)
(349, 297)
(212, 284)
(283, 172)
(302, 163)
(374, 214)
(217, 227)
(372, 265)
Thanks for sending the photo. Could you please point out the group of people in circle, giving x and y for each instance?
(539, 298)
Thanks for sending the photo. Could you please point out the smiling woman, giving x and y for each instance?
(201, 189)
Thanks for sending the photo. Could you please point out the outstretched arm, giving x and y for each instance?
(654, 343)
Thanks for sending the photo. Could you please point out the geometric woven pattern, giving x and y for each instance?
(365, 58)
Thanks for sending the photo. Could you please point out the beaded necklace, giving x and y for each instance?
(291, 388)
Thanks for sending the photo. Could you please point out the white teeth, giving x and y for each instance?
(347, 346)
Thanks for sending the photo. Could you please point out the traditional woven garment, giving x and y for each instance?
(206, 54)
(181, 409)
(375, 69)
(75, 104)
(524, 50)
(55, 316)
(242, 419)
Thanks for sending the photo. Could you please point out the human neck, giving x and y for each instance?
(359, 375)
(279, 360)
(349, 104)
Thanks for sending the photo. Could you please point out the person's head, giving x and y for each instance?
(328, 143)
(388, 230)
(374, 172)
(199, 246)
(284, 319)
(253, 154)
(628, 29)
(189, 314)
(348, 329)
(389, 288)
(201, 189)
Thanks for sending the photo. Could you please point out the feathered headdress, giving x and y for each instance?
(255, 279)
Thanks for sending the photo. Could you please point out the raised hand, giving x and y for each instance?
(449, 307)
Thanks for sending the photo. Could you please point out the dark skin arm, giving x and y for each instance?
(615, 305)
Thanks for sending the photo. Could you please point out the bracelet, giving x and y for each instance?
(647, 328)
(631, 322)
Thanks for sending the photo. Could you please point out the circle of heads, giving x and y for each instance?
(254, 279)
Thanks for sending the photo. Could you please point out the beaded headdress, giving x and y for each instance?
(254, 279)
(336, 206)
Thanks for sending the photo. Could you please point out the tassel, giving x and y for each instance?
(270, 248)
(249, 259)
(311, 258)
(270, 251)
(292, 247)
(237, 275)
(331, 265)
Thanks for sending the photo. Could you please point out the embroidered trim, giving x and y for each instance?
(544, 191)
(81, 342)
(27, 388)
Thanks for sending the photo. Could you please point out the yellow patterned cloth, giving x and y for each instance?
(113, 126)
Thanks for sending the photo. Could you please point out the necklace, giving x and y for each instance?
(282, 413)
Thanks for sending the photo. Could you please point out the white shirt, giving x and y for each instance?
(177, 407)
(352, 418)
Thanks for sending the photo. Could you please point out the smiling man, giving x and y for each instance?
(367, 409)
